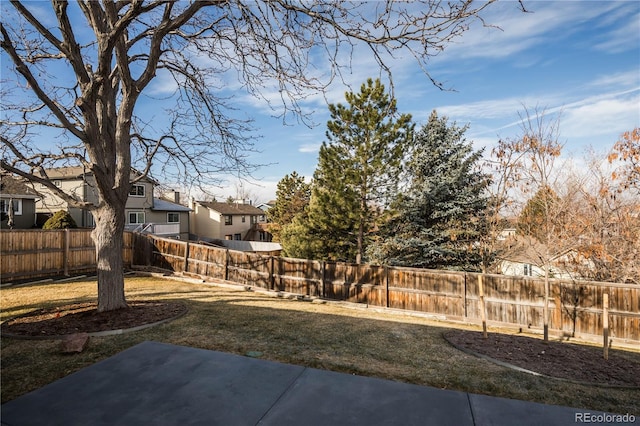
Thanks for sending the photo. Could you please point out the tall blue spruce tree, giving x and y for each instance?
(437, 221)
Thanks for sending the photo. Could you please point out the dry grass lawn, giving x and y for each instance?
(328, 336)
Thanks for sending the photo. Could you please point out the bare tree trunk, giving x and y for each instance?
(109, 240)
(360, 243)
(361, 225)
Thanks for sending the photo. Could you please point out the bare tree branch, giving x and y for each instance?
(89, 83)
(22, 68)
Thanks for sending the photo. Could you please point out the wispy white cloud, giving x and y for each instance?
(624, 79)
(310, 148)
(602, 117)
(617, 40)
(514, 32)
(595, 119)
(489, 109)
(162, 85)
(355, 67)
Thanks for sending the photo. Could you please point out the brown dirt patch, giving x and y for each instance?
(84, 318)
(555, 359)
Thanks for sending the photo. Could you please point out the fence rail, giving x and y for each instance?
(575, 306)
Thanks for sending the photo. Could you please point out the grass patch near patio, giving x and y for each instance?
(327, 336)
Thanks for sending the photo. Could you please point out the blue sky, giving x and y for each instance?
(579, 59)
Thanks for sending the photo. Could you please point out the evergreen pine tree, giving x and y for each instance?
(292, 197)
(438, 219)
(357, 171)
(333, 211)
(539, 211)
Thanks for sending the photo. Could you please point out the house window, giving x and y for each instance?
(228, 219)
(237, 237)
(173, 217)
(263, 218)
(136, 191)
(228, 237)
(527, 270)
(136, 217)
(17, 206)
(243, 219)
(254, 220)
(57, 183)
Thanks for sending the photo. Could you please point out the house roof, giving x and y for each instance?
(76, 172)
(71, 172)
(266, 206)
(522, 251)
(10, 187)
(164, 205)
(526, 249)
(232, 208)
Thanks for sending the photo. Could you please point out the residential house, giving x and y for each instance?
(17, 203)
(143, 211)
(524, 256)
(520, 258)
(237, 220)
(72, 180)
(266, 206)
(166, 218)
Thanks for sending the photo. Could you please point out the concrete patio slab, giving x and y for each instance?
(488, 410)
(160, 384)
(321, 398)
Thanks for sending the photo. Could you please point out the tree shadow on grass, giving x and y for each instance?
(357, 341)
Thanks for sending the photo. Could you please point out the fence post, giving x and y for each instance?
(605, 324)
(483, 312)
(226, 265)
(322, 278)
(186, 258)
(272, 276)
(386, 285)
(65, 257)
(465, 297)
(148, 251)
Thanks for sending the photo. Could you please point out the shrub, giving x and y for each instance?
(60, 220)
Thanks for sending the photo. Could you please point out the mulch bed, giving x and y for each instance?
(84, 318)
(555, 359)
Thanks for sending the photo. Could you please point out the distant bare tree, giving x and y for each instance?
(608, 221)
(80, 70)
(534, 168)
(626, 155)
(504, 167)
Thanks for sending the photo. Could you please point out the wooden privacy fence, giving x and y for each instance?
(35, 253)
(575, 306)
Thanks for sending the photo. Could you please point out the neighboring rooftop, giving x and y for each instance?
(70, 172)
(76, 172)
(11, 186)
(164, 205)
(231, 208)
